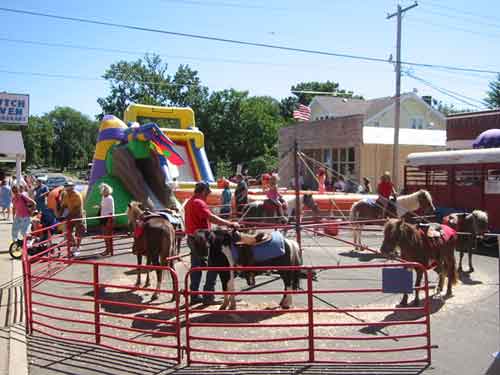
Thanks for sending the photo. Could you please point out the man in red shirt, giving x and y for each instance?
(197, 216)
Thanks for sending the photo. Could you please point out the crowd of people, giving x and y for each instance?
(28, 203)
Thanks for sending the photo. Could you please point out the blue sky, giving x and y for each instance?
(459, 33)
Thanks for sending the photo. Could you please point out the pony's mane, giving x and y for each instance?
(480, 215)
(402, 230)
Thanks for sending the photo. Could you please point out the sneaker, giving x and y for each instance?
(208, 300)
(195, 300)
(76, 251)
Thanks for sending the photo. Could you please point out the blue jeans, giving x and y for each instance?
(20, 226)
(200, 261)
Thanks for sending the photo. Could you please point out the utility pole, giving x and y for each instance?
(397, 114)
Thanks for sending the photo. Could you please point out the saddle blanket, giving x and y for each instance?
(268, 250)
(433, 243)
(174, 220)
(370, 202)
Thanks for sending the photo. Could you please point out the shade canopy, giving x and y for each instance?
(488, 139)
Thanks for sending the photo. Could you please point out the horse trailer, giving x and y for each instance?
(459, 181)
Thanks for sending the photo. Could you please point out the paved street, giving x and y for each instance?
(464, 328)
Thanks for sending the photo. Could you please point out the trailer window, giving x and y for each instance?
(467, 177)
(492, 182)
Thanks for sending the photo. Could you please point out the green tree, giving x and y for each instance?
(74, 137)
(328, 86)
(493, 98)
(287, 106)
(38, 139)
(146, 81)
(239, 128)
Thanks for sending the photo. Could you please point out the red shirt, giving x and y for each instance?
(385, 189)
(196, 214)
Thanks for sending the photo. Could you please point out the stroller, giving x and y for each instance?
(39, 220)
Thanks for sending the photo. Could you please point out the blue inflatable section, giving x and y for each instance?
(266, 251)
(202, 161)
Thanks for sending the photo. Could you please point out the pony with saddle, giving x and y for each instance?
(403, 206)
(154, 238)
(470, 227)
(227, 249)
(265, 211)
(431, 245)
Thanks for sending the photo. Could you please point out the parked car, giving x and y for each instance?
(55, 181)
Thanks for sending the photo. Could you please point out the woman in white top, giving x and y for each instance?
(107, 209)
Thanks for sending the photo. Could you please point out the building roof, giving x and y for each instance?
(340, 107)
(11, 146)
(492, 112)
(421, 137)
(488, 155)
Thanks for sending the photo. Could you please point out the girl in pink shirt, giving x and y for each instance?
(275, 197)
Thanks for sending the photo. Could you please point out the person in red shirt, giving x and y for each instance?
(385, 189)
(197, 216)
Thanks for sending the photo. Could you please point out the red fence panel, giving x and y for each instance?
(316, 330)
(88, 305)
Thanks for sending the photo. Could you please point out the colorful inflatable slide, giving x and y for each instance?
(139, 159)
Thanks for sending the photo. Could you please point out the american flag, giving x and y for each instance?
(302, 113)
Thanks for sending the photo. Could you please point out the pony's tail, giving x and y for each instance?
(454, 273)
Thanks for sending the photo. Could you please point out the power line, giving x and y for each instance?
(443, 26)
(437, 4)
(454, 16)
(224, 5)
(86, 78)
(461, 98)
(139, 53)
(239, 42)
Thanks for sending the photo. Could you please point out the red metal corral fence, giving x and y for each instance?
(98, 302)
(338, 325)
(92, 305)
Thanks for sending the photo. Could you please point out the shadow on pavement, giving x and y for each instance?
(436, 305)
(315, 369)
(54, 356)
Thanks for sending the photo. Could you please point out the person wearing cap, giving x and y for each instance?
(72, 206)
(225, 200)
(197, 216)
(40, 195)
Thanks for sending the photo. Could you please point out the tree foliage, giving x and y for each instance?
(493, 95)
(63, 138)
(328, 86)
(146, 81)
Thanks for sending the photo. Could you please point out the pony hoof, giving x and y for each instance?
(286, 307)
(232, 307)
(448, 295)
(416, 302)
(471, 269)
(460, 270)
(154, 297)
(223, 307)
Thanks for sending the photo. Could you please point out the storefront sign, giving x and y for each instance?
(14, 108)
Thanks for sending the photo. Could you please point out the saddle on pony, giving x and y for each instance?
(249, 250)
(435, 237)
(139, 246)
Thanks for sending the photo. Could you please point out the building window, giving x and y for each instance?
(416, 123)
(344, 161)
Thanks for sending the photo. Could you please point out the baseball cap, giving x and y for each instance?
(202, 186)
(69, 184)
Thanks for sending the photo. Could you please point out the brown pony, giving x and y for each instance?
(154, 237)
(416, 246)
(404, 206)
